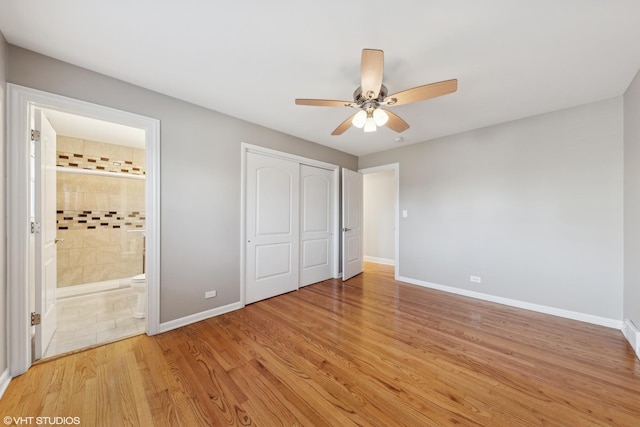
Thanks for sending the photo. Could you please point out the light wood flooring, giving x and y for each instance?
(370, 351)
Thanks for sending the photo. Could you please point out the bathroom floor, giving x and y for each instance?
(95, 319)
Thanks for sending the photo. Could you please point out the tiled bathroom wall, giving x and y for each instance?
(94, 212)
(93, 155)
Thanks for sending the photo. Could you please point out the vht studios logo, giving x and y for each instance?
(42, 421)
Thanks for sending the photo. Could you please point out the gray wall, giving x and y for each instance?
(533, 207)
(200, 177)
(632, 202)
(3, 211)
(379, 209)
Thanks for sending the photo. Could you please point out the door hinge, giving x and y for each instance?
(35, 318)
(35, 227)
(35, 135)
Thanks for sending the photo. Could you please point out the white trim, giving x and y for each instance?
(283, 155)
(574, 315)
(245, 148)
(336, 225)
(5, 379)
(20, 101)
(243, 209)
(152, 224)
(632, 334)
(395, 167)
(377, 260)
(17, 202)
(197, 317)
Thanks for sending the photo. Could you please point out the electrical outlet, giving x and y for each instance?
(475, 279)
(210, 294)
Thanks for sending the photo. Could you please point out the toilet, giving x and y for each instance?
(139, 284)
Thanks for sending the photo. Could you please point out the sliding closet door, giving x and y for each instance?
(316, 225)
(272, 226)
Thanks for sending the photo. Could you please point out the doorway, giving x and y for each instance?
(381, 214)
(97, 226)
(21, 262)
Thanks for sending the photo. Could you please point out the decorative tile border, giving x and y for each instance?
(81, 161)
(88, 220)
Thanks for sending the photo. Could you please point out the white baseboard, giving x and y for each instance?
(632, 334)
(568, 314)
(5, 379)
(378, 260)
(187, 320)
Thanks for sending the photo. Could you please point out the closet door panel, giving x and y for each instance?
(316, 225)
(272, 226)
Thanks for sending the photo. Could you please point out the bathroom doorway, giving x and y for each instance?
(100, 170)
(23, 223)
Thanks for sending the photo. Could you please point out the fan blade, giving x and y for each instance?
(396, 123)
(421, 93)
(324, 103)
(343, 126)
(371, 71)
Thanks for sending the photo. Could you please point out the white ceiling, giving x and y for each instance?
(251, 59)
(95, 130)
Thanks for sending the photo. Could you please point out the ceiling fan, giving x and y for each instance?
(372, 95)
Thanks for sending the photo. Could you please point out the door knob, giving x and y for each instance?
(58, 240)
(346, 229)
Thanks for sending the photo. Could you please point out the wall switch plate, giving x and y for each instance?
(210, 294)
(404, 213)
(475, 279)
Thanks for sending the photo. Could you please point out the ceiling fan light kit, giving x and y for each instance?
(359, 118)
(372, 95)
(380, 117)
(370, 125)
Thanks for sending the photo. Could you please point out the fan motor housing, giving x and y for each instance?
(360, 100)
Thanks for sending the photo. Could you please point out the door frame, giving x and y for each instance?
(395, 167)
(20, 101)
(245, 148)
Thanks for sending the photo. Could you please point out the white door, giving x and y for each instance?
(45, 237)
(352, 249)
(272, 222)
(316, 225)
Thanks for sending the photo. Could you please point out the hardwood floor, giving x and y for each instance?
(371, 351)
